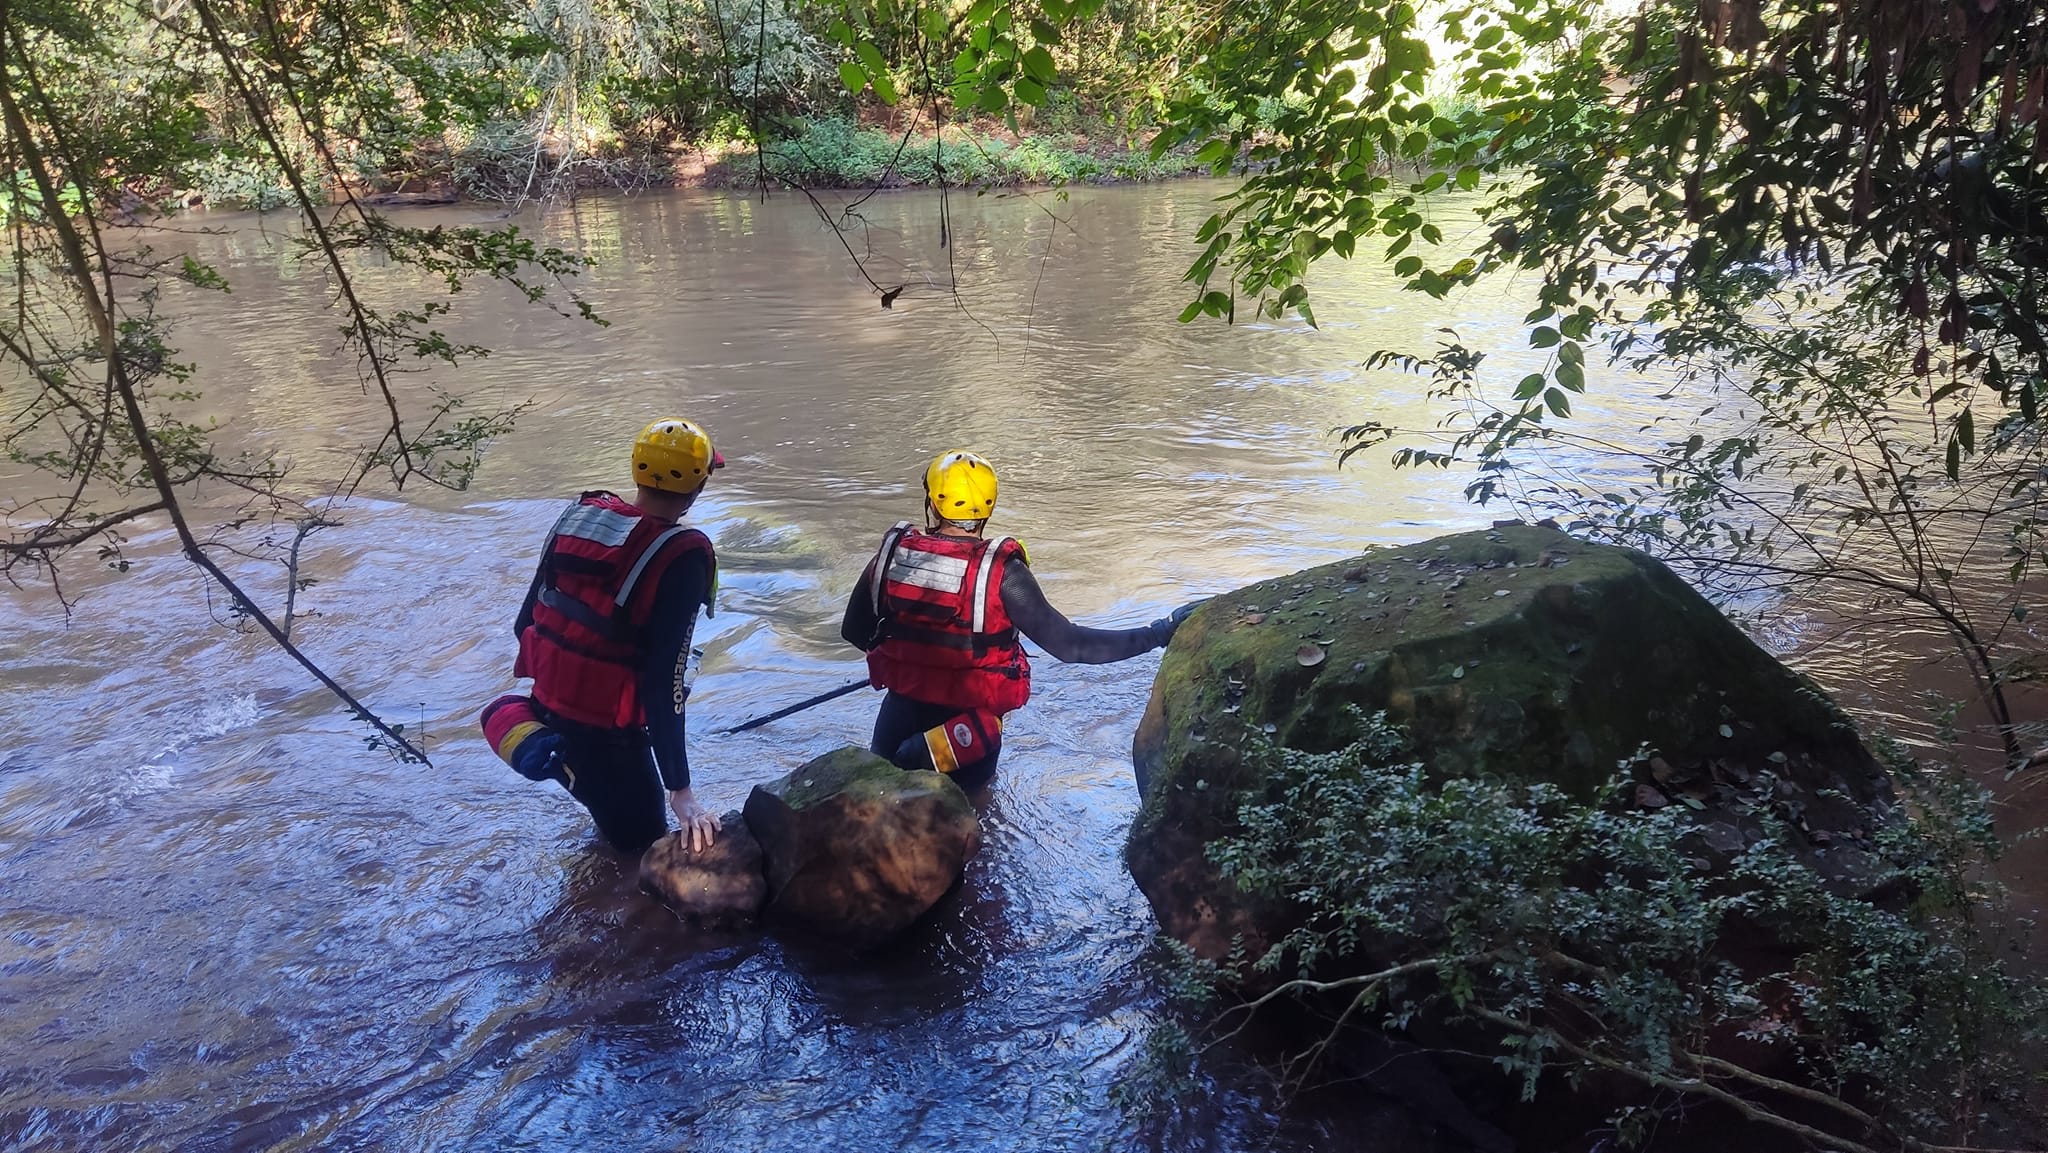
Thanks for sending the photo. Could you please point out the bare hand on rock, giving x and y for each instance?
(699, 825)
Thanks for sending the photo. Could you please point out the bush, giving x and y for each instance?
(837, 153)
(1516, 907)
(229, 180)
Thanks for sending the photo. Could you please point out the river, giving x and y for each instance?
(228, 924)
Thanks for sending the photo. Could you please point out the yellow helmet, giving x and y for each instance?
(674, 455)
(961, 486)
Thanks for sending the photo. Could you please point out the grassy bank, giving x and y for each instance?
(837, 153)
(820, 152)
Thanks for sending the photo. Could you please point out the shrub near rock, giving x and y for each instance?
(1513, 791)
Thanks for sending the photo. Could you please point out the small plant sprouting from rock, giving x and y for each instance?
(1596, 938)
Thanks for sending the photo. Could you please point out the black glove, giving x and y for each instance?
(1163, 628)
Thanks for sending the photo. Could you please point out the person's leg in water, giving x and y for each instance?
(612, 775)
(915, 734)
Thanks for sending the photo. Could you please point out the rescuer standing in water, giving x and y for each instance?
(605, 635)
(939, 612)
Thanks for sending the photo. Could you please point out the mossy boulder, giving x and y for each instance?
(725, 883)
(856, 848)
(1519, 652)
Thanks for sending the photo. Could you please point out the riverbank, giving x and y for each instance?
(820, 152)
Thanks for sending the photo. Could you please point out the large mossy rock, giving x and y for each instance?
(857, 848)
(1519, 652)
(724, 884)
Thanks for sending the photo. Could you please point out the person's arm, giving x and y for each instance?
(858, 625)
(1025, 602)
(684, 588)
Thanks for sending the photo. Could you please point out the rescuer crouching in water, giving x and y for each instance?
(939, 612)
(605, 634)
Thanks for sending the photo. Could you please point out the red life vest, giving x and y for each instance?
(945, 637)
(584, 649)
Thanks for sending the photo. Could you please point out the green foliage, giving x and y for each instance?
(1603, 937)
(836, 153)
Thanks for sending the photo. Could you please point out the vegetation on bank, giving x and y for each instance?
(842, 154)
(1592, 942)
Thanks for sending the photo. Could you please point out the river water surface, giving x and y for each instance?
(226, 923)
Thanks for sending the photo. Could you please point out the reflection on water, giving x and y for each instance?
(227, 924)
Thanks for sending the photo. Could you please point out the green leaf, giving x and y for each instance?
(1193, 310)
(1530, 386)
(1038, 64)
(841, 31)
(1408, 266)
(871, 57)
(1955, 459)
(2027, 410)
(885, 88)
(1343, 243)
(1966, 431)
(1572, 353)
(850, 74)
(992, 99)
(1572, 376)
(1543, 337)
(1043, 31)
(1559, 403)
(1030, 91)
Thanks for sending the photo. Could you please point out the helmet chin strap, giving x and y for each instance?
(933, 522)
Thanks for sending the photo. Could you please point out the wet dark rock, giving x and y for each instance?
(725, 884)
(1592, 654)
(858, 849)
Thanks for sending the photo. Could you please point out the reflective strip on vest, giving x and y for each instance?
(597, 525)
(987, 564)
(890, 540)
(929, 570)
(639, 566)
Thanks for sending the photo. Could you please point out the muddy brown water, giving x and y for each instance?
(227, 924)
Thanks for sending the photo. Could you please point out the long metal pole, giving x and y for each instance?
(800, 706)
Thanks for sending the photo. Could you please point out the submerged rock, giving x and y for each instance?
(1517, 652)
(857, 848)
(726, 883)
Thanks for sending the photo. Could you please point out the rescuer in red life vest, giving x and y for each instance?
(939, 612)
(605, 635)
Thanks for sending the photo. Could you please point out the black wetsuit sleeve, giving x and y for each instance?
(858, 625)
(540, 570)
(1065, 640)
(685, 586)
